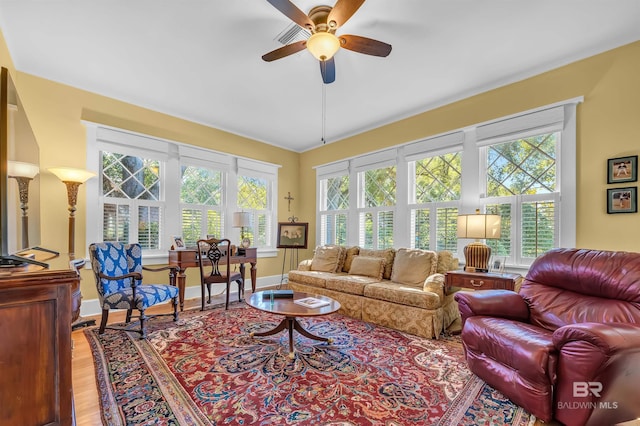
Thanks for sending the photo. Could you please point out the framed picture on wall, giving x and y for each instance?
(292, 235)
(622, 169)
(622, 200)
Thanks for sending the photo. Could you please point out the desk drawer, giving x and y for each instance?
(476, 283)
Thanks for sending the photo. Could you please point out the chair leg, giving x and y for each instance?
(175, 309)
(129, 313)
(143, 328)
(240, 290)
(226, 306)
(209, 293)
(202, 297)
(103, 322)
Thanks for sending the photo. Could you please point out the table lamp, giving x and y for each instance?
(478, 226)
(242, 220)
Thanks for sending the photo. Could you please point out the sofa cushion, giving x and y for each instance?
(327, 258)
(387, 254)
(352, 284)
(413, 266)
(402, 295)
(312, 278)
(368, 266)
(351, 252)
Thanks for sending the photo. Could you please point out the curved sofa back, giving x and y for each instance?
(568, 286)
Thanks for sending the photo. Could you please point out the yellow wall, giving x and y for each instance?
(608, 126)
(55, 112)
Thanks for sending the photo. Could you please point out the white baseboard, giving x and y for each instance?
(91, 307)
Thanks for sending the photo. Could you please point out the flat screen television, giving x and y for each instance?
(19, 189)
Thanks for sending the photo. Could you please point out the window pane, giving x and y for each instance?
(385, 229)
(420, 228)
(214, 223)
(447, 236)
(116, 223)
(149, 227)
(191, 226)
(366, 230)
(502, 246)
(380, 187)
(201, 186)
(523, 166)
(538, 228)
(337, 193)
(125, 176)
(438, 178)
(252, 193)
(341, 229)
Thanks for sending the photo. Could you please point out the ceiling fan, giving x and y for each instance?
(322, 22)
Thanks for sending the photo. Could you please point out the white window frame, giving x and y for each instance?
(172, 154)
(337, 170)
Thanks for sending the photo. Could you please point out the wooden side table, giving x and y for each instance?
(481, 280)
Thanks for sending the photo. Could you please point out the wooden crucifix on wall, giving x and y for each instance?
(289, 198)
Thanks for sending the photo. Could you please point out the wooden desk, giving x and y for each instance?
(189, 258)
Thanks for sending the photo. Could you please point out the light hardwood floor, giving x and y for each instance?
(85, 392)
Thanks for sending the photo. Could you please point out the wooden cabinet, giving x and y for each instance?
(481, 280)
(35, 345)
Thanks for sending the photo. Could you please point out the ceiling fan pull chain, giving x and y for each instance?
(324, 112)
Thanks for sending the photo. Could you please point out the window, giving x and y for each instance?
(334, 206)
(151, 190)
(377, 189)
(434, 194)
(521, 179)
(520, 167)
(201, 202)
(131, 199)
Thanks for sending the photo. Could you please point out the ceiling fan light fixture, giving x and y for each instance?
(323, 45)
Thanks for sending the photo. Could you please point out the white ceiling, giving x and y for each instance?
(201, 59)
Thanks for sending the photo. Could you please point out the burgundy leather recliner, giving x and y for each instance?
(565, 345)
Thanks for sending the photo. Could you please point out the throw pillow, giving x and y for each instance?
(413, 266)
(387, 254)
(326, 259)
(367, 266)
(350, 254)
(445, 262)
(435, 284)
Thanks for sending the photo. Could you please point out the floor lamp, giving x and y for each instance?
(72, 178)
(23, 173)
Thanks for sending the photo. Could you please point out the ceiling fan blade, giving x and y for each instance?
(291, 11)
(342, 11)
(328, 71)
(365, 45)
(287, 50)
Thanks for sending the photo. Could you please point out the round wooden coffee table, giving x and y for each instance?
(291, 310)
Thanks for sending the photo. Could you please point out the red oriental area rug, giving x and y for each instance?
(207, 370)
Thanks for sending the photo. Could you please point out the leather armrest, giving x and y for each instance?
(608, 337)
(495, 303)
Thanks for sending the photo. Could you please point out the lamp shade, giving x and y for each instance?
(20, 169)
(323, 45)
(479, 226)
(68, 174)
(241, 219)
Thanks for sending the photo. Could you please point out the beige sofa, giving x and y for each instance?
(401, 289)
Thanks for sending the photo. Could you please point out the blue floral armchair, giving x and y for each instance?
(118, 272)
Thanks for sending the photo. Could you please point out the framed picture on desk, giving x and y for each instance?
(178, 243)
(292, 235)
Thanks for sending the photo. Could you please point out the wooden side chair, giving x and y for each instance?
(118, 272)
(214, 260)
